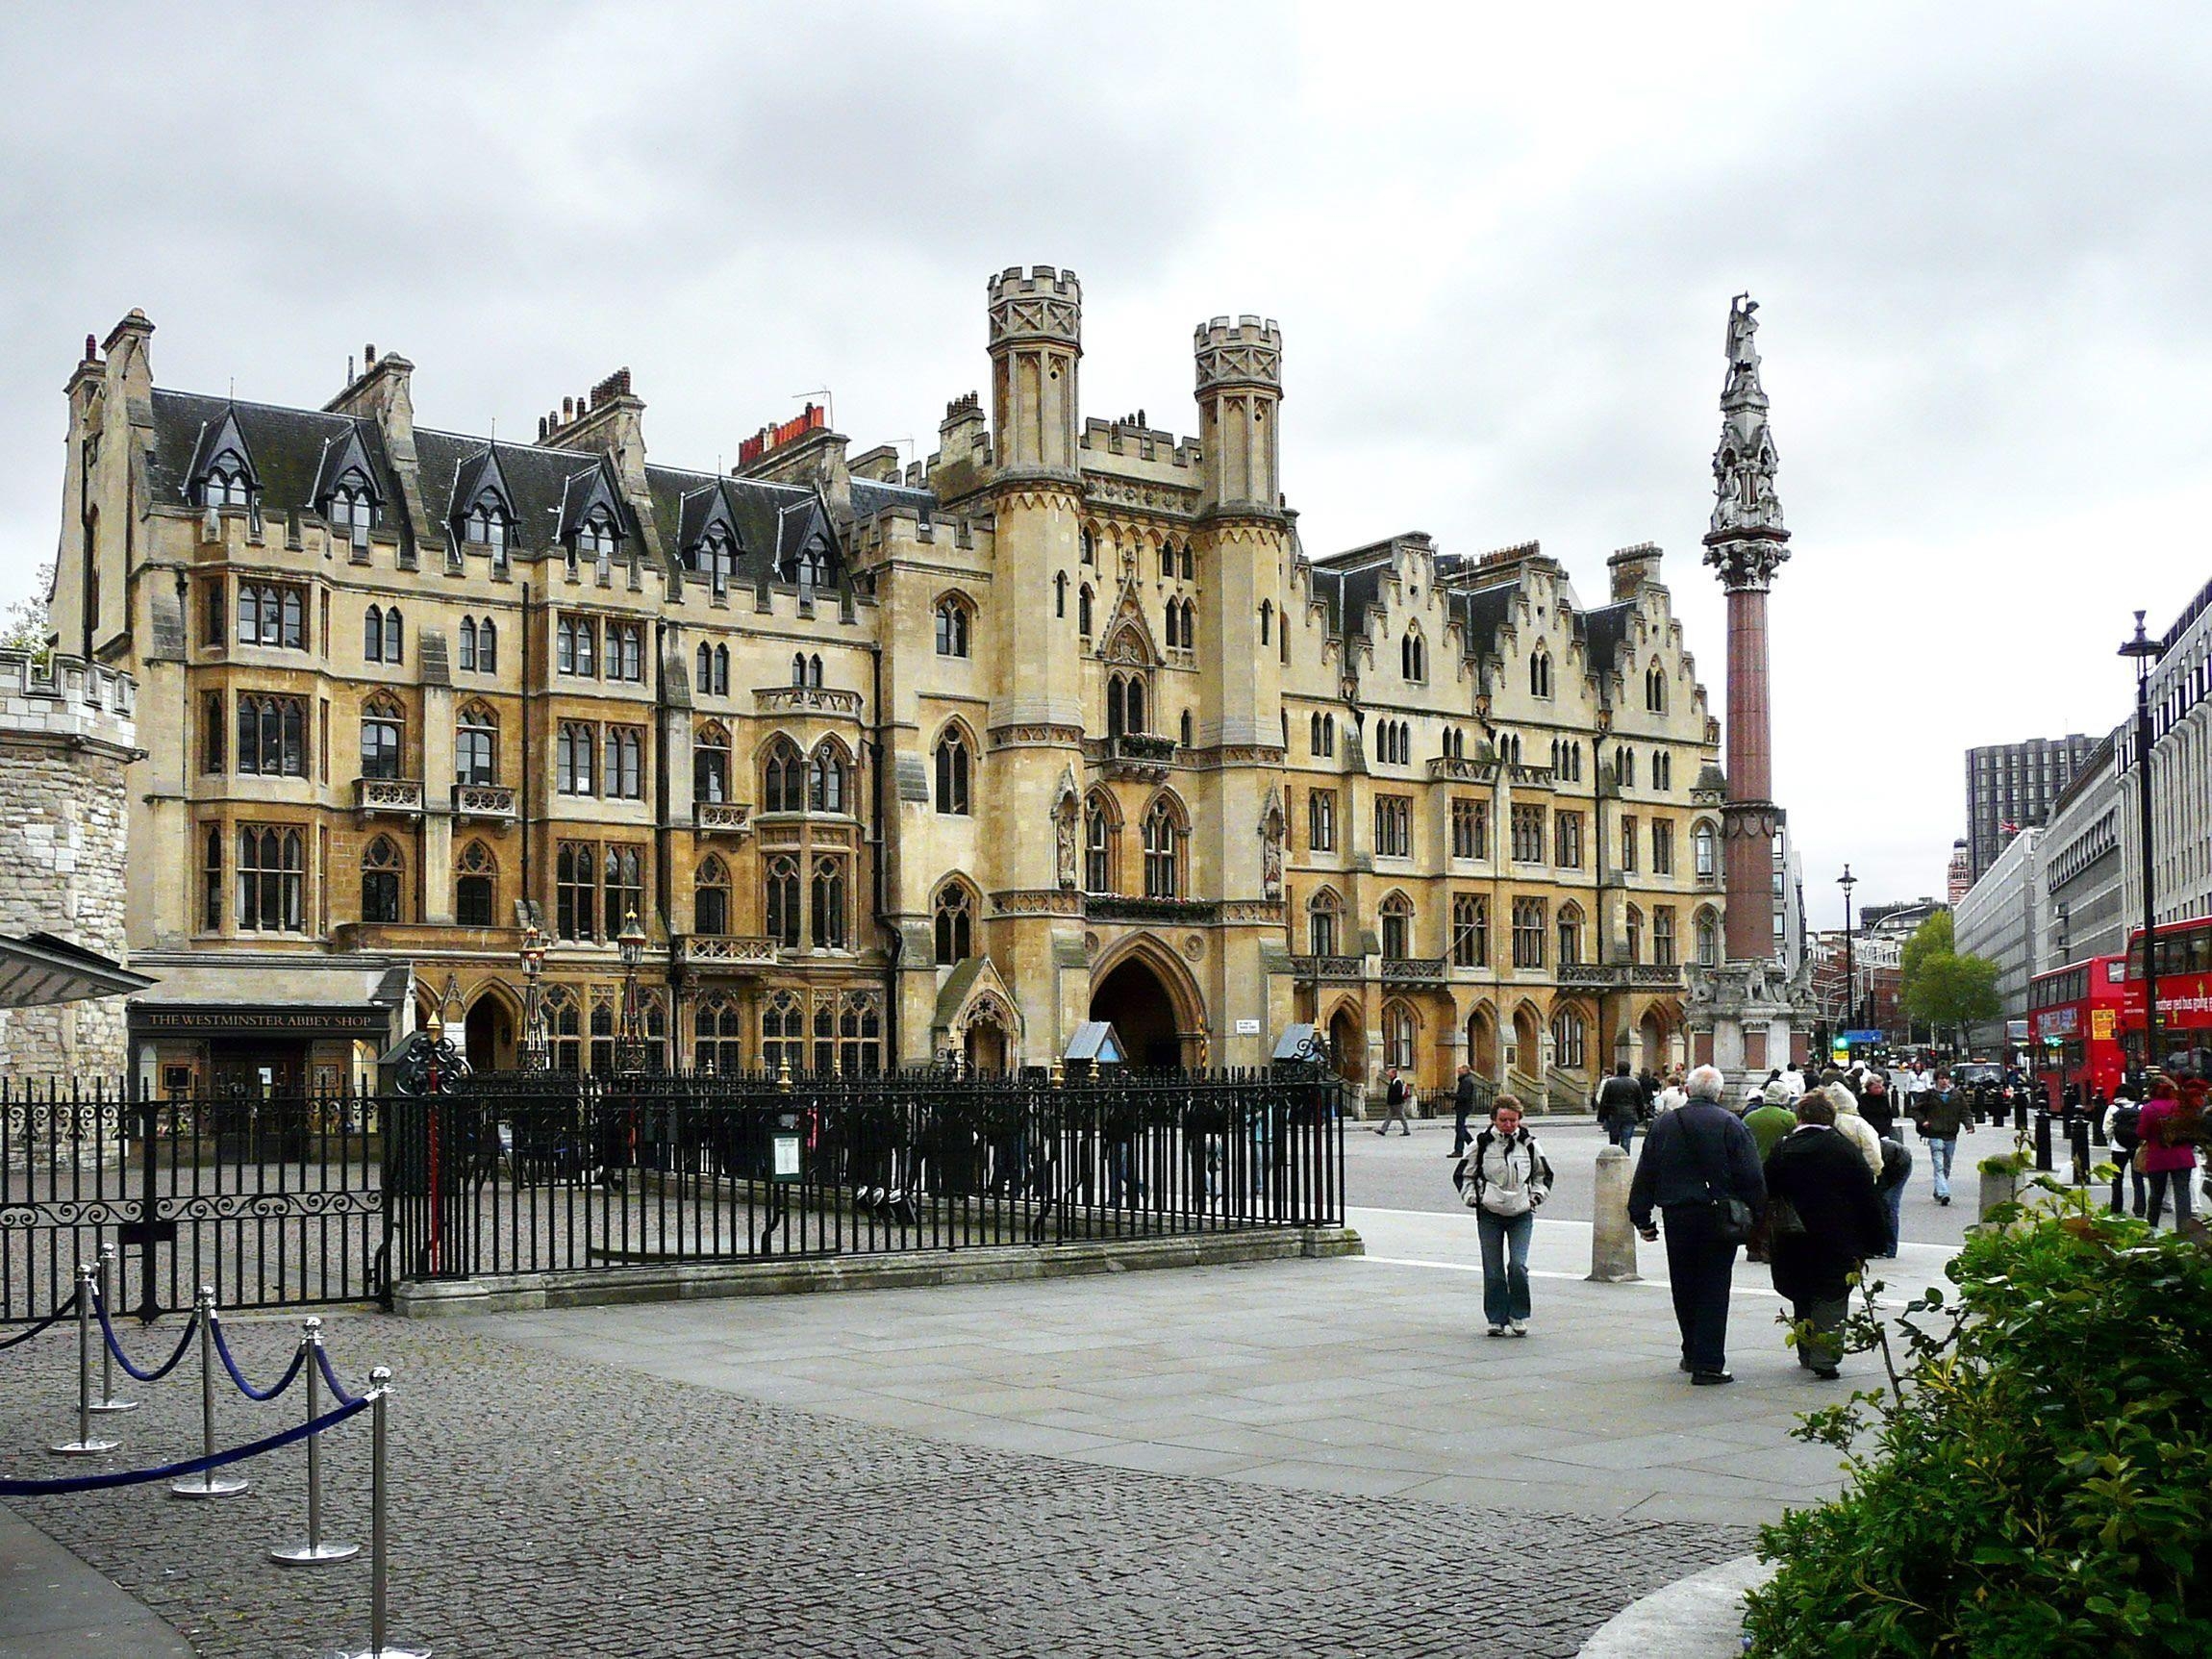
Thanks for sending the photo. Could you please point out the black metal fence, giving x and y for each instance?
(274, 1202)
(521, 1173)
(299, 1201)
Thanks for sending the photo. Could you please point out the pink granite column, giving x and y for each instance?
(1748, 847)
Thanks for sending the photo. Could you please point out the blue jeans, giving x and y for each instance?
(1622, 1132)
(1938, 1155)
(1504, 1280)
(1893, 1201)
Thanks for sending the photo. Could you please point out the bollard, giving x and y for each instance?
(208, 1483)
(2078, 1134)
(84, 1446)
(107, 1402)
(1612, 1240)
(315, 1551)
(2043, 1142)
(379, 1386)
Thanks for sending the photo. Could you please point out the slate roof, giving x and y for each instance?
(295, 455)
(1604, 632)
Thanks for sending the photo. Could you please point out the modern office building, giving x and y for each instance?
(2012, 787)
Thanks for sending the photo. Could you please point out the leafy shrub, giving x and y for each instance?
(2035, 1480)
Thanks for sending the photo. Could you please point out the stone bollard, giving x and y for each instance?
(1612, 1240)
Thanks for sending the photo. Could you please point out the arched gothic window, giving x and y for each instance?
(711, 899)
(830, 929)
(712, 556)
(718, 1029)
(1183, 729)
(721, 670)
(1083, 609)
(1400, 1031)
(475, 883)
(706, 676)
(1322, 913)
(486, 520)
(1098, 842)
(1570, 927)
(1540, 673)
(1266, 621)
(953, 770)
(1167, 559)
(711, 765)
(1412, 657)
(382, 730)
(954, 918)
(1633, 919)
(783, 1032)
(1163, 850)
(1705, 848)
(1124, 704)
(784, 779)
(380, 881)
(798, 668)
(1570, 1041)
(781, 900)
(826, 779)
(1655, 689)
(1060, 593)
(1396, 927)
(1708, 939)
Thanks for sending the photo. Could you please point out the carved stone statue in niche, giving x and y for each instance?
(1067, 815)
(1271, 831)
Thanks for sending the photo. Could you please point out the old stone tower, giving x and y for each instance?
(66, 734)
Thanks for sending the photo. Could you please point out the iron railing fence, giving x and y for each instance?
(273, 1202)
(540, 1172)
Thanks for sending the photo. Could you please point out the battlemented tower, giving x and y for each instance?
(1748, 1012)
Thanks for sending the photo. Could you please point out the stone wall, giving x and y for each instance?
(66, 734)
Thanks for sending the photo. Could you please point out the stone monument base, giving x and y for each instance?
(1748, 1019)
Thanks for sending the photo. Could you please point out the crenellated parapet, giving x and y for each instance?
(64, 701)
(1045, 304)
(1246, 353)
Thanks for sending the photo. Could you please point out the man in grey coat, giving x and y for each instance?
(1693, 1158)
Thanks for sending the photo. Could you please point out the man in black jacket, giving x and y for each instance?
(1696, 1156)
(1463, 1106)
(1620, 1104)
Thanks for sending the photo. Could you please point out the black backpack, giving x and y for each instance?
(1896, 1164)
(2126, 1127)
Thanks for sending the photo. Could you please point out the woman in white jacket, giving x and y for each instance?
(1504, 1179)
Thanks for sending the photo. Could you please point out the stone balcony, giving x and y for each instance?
(1326, 968)
(726, 950)
(1138, 756)
(806, 700)
(723, 817)
(1122, 907)
(1656, 976)
(1451, 768)
(387, 797)
(1413, 970)
(1617, 975)
(491, 803)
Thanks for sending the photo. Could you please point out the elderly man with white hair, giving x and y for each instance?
(1697, 1162)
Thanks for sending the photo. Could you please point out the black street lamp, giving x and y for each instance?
(1847, 881)
(2145, 651)
(630, 1039)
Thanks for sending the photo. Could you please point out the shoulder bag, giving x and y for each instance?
(1733, 1221)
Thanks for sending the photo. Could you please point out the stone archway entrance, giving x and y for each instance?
(984, 1050)
(1527, 1042)
(1651, 1036)
(487, 1036)
(1482, 1045)
(1133, 998)
(1349, 1045)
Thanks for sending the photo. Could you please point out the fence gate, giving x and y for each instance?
(274, 1201)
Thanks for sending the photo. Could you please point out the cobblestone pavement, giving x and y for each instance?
(548, 1505)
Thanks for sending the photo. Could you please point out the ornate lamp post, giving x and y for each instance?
(1847, 881)
(2145, 651)
(630, 1038)
(536, 1044)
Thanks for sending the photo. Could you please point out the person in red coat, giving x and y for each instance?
(1825, 1220)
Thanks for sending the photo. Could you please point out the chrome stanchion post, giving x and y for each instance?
(107, 1402)
(208, 1483)
(314, 1549)
(84, 1446)
(379, 1387)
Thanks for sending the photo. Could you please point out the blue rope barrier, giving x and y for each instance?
(338, 1389)
(171, 1470)
(223, 1349)
(51, 1319)
(107, 1334)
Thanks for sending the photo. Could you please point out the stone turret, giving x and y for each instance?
(1240, 390)
(1035, 343)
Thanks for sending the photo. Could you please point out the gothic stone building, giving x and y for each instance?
(891, 766)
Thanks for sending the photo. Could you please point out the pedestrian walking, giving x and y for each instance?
(1854, 1128)
(1700, 1173)
(1942, 1112)
(1768, 1121)
(1826, 1221)
(2168, 1153)
(1620, 1104)
(1875, 1105)
(1891, 1184)
(1504, 1180)
(1395, 1095)
(2123, 1129)
(1462, 1107)
(1670, 1094)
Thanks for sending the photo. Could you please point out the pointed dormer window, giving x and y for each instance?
(487, 522)
(596, 537)
(226, 484)
(714, 555)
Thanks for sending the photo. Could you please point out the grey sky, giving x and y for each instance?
(1500, 248)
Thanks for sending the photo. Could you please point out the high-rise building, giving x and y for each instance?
(2012, 787)
(1958, 879)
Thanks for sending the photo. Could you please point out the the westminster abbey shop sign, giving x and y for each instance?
(222, 1022)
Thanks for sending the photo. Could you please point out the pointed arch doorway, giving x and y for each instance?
(1149, 1016)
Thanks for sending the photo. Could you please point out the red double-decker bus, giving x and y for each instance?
(2184, 991)
(2074, 1025)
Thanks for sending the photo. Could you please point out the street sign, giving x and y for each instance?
(1861, 1037)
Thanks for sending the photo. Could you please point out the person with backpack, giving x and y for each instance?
(1619, 1108)
(1504, 1180)
(1826, 1221)
(1890, 1186)
(2123, 1131)
(2168, 1153)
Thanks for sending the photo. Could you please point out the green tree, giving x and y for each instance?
(24, 626)
(1931, 939)
(1954, 991)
